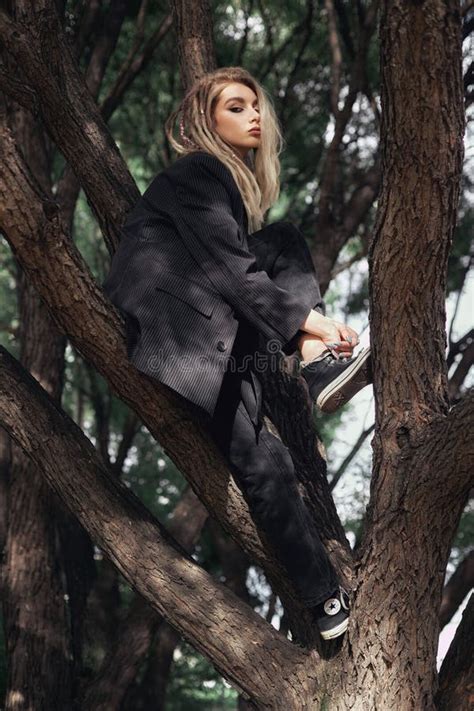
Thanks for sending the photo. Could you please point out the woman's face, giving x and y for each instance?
(236, 113)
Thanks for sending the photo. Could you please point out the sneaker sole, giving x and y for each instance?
(347, 384)
(336, 631)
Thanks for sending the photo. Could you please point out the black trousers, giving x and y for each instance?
(260, 462)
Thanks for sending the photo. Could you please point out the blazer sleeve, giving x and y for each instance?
(204, 197)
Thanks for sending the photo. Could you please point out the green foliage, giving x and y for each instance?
(8, 299)
(462, 543)
(195, 685)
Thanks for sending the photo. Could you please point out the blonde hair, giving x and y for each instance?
(257, 176)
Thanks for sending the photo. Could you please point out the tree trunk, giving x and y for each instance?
(410, 523)
(35, 610)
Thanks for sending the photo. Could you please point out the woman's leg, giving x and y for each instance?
(264, 471)
(281, 250)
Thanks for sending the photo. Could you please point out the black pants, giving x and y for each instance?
(262, 465)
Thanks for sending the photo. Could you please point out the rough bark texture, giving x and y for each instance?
(137, 633)
(456, 677)
(35, 608)
(195, 43)
(36, 614)
(411, 522)
(458, 586)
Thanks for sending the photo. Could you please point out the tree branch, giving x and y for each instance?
(456, 686)
(336, 56)
(456, 589)
(137, 631)
(342, 117)
(456, 347)
(72, 118)
(345, 27)
(133, 65)
(104, 46)
(154, 564)
(461, 371)
(360, 441)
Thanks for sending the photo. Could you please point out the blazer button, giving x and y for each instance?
(221, 346)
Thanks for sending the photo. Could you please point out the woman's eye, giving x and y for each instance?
(239, 108)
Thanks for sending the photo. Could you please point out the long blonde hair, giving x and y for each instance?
(257, 176)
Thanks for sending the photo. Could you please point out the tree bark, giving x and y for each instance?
(35, 604)
(410, 521)
(456, 589)
(456, 685)
(195, 43)
(47, 63)
(143, 628)
(35, 610)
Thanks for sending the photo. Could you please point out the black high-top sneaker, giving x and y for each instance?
(332, 382)
(332, 615)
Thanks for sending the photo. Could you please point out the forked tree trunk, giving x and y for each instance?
(419, 486)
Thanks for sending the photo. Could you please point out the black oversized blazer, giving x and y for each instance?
(183, 277)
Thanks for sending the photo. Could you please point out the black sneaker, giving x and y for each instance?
(332, 615)
(333, 382)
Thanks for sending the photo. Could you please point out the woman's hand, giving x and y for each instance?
(335, 335)
(345, 341)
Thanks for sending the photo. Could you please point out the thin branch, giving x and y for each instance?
(360, 254)
(130, 429)
(342, 117)
(345, 28)
(456, 674)
(134, 64)
(348, 459)
(466, 6)
(293, 73)
(464, 274)
(336, 56)
(456, 589)
(104, 46)
(72, 119)
(459, 346)
(462, 369)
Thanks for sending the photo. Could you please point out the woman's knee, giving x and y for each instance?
(288, 229)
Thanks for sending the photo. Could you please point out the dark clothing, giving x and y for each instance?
(196, 289)
(261, 463)
(281, 251)
(183, 277)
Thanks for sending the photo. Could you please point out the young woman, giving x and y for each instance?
(202, 285)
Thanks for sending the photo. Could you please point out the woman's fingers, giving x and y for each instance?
(348, 334)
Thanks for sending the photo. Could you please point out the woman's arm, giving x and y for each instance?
(204, 187)
(331, 332)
